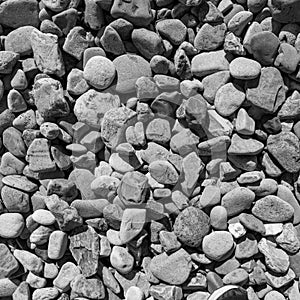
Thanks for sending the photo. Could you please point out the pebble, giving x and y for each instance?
(244, 68)
(12, 224)
(121, 260)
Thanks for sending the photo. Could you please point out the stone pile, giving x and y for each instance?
(149, 149)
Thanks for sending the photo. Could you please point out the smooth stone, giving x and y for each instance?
(217, 245)
(272, 209)
(244, 146)
(12, 225)
(244, 68)
(30, 261)
(15, 200)
(238, 276)
(273, 229)
(252, 223)
(43, 217)
(237, 200)
(8, 287)
(121, 260)
(15, 101)
(218, 218)
(239, 21)
(163, 172)
(8, 264)
(57, 245)
(90, 208)
(280, 281)
(103, 185)
(244, 123)
(246, 247)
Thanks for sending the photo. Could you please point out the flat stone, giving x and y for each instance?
(50, 292)
(280, 281)
(191, 225)
(8, 264)
(276, 259)
(91, 107)
(129, 68)
(30, 261)
(268, 92)
(15, 14)
(211, 62)
(44, 44)
(246, 247)
(272, 209)
(172, 269)
(43, 217)
(244, 146)
(238, 276)
(15, 200)
(252, 223)
(228, 99)
(163, 172)
(84, 246)
(237, 200)
(217, 245)
(284, 147)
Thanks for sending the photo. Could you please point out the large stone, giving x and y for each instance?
(285, 148)
(284, 11)
(272, 209)
(46, 53)
(84, 246)
(11, 225)
(8, 264)
(268, 91)
(172, 269)
(191, 225)
(92, 105)
(244, 146)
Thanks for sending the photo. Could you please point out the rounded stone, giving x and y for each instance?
(272, 209)
(121, 260)
(191, 225)
(11, 225)
(217, 245)
(57, 246)
(99, 72)
(218, 218)
(274, 295)
(244, 68)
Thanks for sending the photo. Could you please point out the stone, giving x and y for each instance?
(274, 295)
(22, 291)
(272, 209)
(103, 185)
(13, 142)
(66, 20)
(280, 281)
(112, 42)
(133, 221)
(163, 172)
(16, 14)
(237, 200)
(239, 21)
(191, 226)
(91, 107)
(44, 44)
(12, 225)
(15, 200)
(18, 41)
(238, 276)
(244, 68)
(138, 14)
(210, 37)
(244, 146)
(8, 264)
(8, 60)
(244, 124)
(146, 88)
(273, 229)
(19, 80)
(57, 245)
(121, 260)
(11, 165)
(49, 292)
(264, 52)
(49, 98)
(252, 223)
(67, 273)
(67, 217)
(129, 68)
(147, 42)
(218, 217)
(284, 11)
(29, 261)
(159, 131)
(8, 287)
(276, 259)
(173, 269)
(246, 247)
(99, 72)
(228, 99)
(43, 217)
(280, 145)
(76, 84)
(211, 62)
(287, 59)
(15, 101)
(269, 92)
(236, 229)
(166, 291)
(38, 156)
(288, 239)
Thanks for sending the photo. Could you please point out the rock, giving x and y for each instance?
(276, 259)
(30, 261)
(272, 209)
(244, 146)
(22, 291)
(166, 291)
(239, 21)
(15, 101)
(99, 72)
(57, 245)
(66, 275)
(44, 44)
(217, 245)
(244, 68)
(172, 269)
(8, 60)
(211, 196)
(49, 292)
(12, 225)
(138, 14)
(132, 223)
(15, 200)
(218, 217)
(288, 239)
(159, 131)
(13, 142)
(43, 217)
(8, 264)
(237, 200)
(49, 98)
(121, 260)
(191, 225)
(287, 59)
(66, 20)
(208, 63)
(76, 84)
(87, 288)
(264, 52)
(238, 276)
(91, 107)
(281, 144)
(147, 42)
(252, 223)
(129, 68)
(15, 14)
(284, 11)
(280, 281)
(268, 93)
(163, 172)
(228, 99)
(210, 37)
(112, 42)
(246, 247)
(244, 124)
(18, 40)
(67, 217)
(8, 287)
